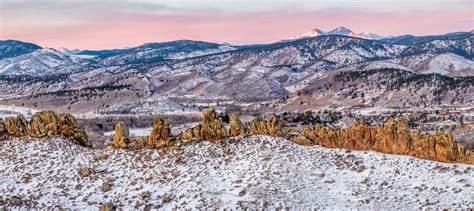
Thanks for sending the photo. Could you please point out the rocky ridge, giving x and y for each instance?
(394, 137)
(45, 124)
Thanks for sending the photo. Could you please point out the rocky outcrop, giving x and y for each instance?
(193, 133)
(160, 134)
(236, 127)
(158, 138)
(46, 124)
(2, 127)
(394, 137)
(440, 147)
(210, 128)
(121, 137)
(271, 127)
(16, 126)
(69, 128)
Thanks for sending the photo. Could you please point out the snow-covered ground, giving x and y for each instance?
(258, 172)
(133, 132)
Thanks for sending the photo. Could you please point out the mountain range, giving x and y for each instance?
(323, 70)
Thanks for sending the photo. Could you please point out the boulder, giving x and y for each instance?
(212, 127)
(16, 126)
(44, 124)
(122, 138)
(122, 135)
(236, 127)
(69, 128)
(2, 127)
(160, 133)
(271, 127)
(192, 133)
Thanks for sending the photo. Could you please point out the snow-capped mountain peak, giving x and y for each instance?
(338, 31)
(371, 36)
(69, 51)
(313, 33)
(342, 31)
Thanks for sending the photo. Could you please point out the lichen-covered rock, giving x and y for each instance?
(271, 127)
(44, 124)
(258, 127)
(274, 126)
(393, 137)
(69, 128)
(357, 136)
(191, 133)
(212, 127)
(440, 147)
(121, 136)
(2, 127)
(160, 134)
(236, 127)
(16, 126)
(301, 140)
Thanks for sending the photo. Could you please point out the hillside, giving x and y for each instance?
(256, 172)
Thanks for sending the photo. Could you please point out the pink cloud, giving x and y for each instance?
(131, 30)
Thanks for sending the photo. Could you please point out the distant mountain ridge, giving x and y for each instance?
(177, 76)
(12, 48)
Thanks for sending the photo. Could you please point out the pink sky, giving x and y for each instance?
(117, 30)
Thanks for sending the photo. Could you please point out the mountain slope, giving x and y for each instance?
(42, 62)
(412, 40)
(12, 48)
(158, 51)
(257, 172)
(255, 77)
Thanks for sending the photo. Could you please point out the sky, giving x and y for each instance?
(107, 24)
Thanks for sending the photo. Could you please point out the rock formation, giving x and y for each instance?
(192, 133)
(394, 137)
(69, 128)
(44, 124)
(211, 128)
(121, 136)
(271, 127)
(236, 127)
(16, 126)
(2, 127)
(160, 134)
